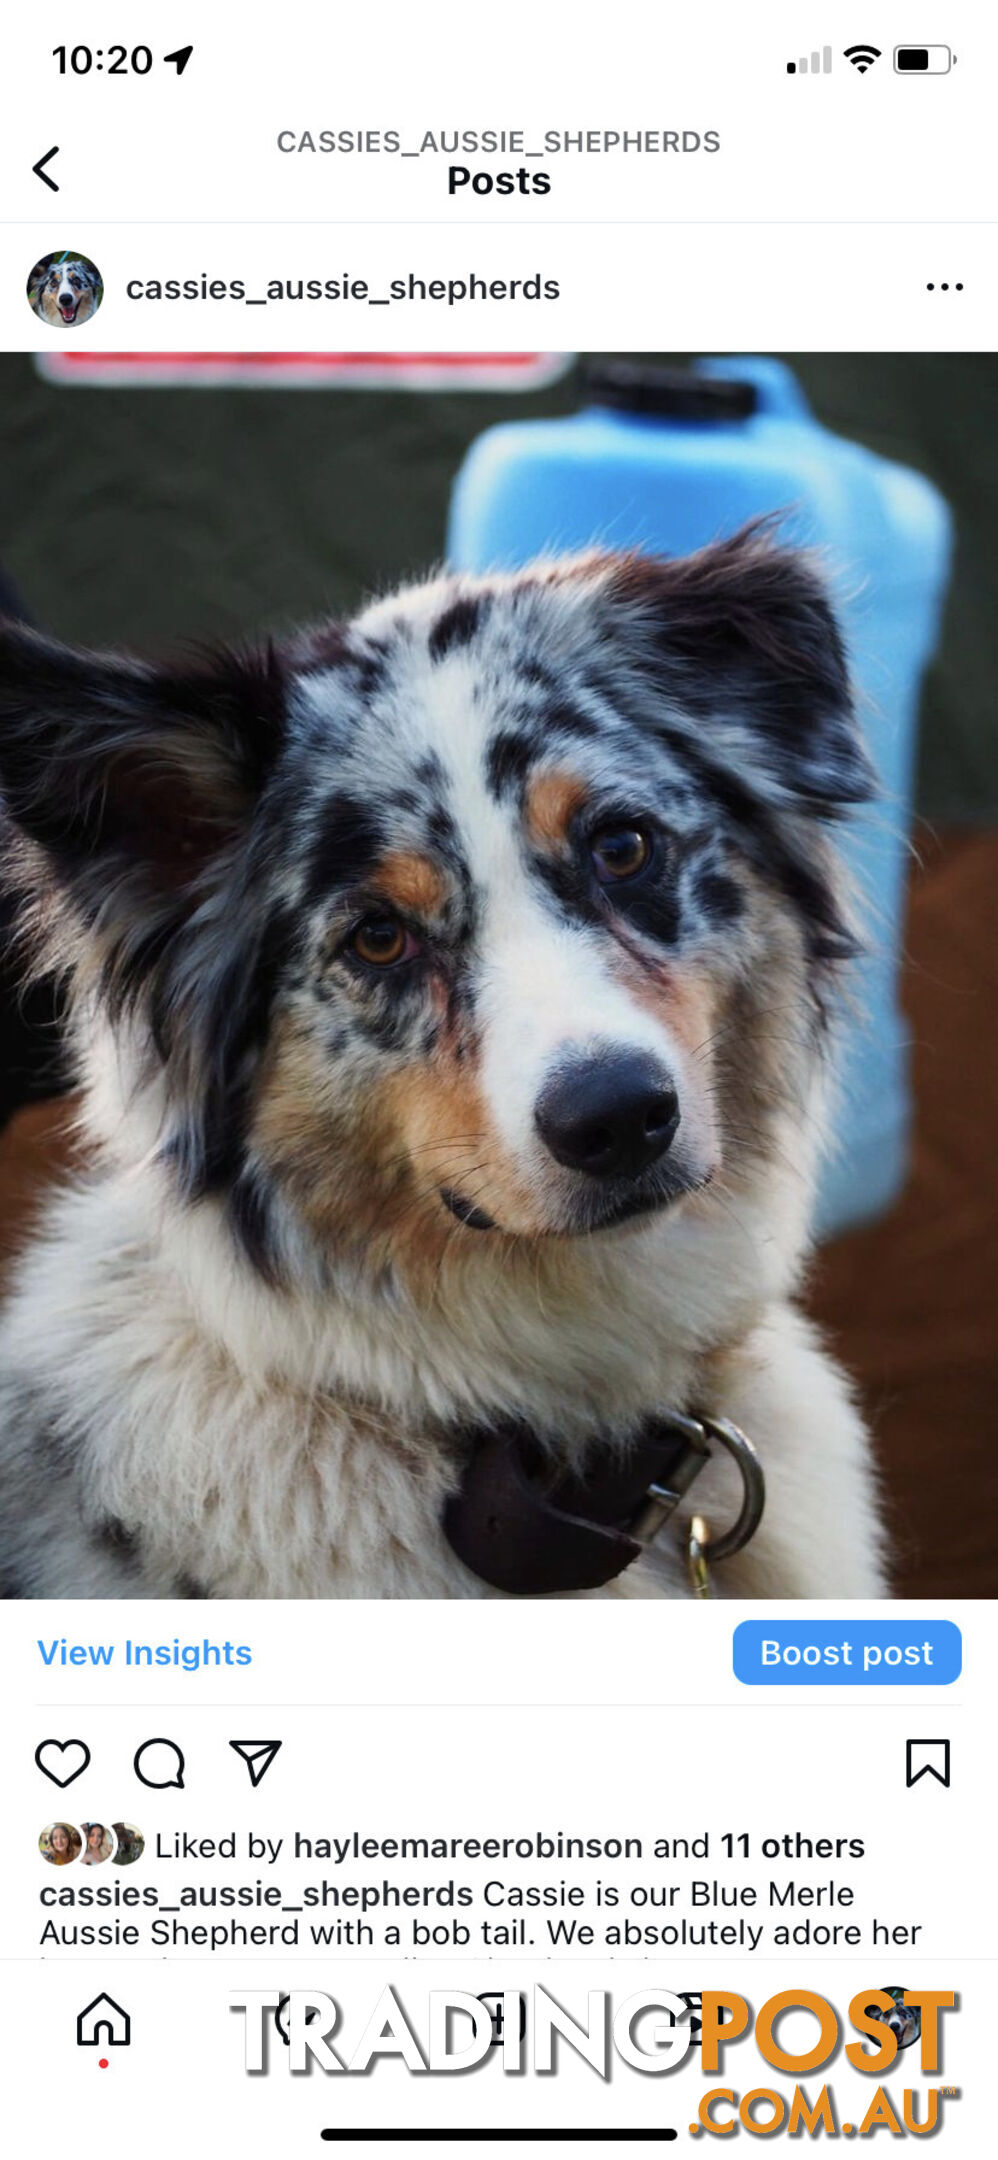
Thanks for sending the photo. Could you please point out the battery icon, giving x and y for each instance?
(923, 59)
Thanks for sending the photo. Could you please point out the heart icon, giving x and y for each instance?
(62, 1760)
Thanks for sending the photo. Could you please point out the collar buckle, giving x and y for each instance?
(664, 1495)
(520, 1527)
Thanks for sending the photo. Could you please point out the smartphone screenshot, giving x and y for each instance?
(498, 1053)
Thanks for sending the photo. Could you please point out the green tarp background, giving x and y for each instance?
(146, 516)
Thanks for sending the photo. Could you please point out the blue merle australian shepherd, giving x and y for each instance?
(451, 992)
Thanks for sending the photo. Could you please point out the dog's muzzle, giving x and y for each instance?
(528, 1529)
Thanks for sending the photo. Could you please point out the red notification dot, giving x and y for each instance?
(102, 2065)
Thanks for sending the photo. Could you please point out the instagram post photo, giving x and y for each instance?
(498, 1054)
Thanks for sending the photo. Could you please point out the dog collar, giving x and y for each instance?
(526, 1528)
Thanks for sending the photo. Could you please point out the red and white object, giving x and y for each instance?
(306, 371)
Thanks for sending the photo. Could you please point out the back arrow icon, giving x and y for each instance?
(40, 168)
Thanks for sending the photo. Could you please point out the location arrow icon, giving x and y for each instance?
(40, 168)
(257, 1755)
(179, 58)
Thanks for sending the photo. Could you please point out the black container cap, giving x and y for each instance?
(669, 393)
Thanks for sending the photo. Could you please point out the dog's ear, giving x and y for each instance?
(129, 782)
(127, 798)
(742, 640)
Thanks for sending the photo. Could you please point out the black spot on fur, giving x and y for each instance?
(507, 762)
(115, 1537)
(534, 670)
(28, 1413)
(212, 1043)
(718, 897)
(652, 905)
(237, 1029)
(113, 1540)
(371, 671)
(442, 837)
(187, 1586)
(349, 839)
(568, 720)
(441, 831)
(571, 884)
(250, 1218)
(394, 1016)
(456, 626)
(335, 648)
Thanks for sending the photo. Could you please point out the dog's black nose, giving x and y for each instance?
(611, 1114)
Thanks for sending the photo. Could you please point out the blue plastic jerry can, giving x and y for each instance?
(668, 461)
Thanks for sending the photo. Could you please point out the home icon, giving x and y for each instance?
(103, 2024)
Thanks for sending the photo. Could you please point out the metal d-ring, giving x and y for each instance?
(740, 1447)
(697, 1547)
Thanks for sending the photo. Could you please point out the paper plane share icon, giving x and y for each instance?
(257, 1755)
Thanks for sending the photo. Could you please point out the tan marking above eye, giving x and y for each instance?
(412, 883)
(554, 798)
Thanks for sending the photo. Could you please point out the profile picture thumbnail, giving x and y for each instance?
(65, 290)
(130, 1846)
(59, 1843)
(98, 1843)
(904, 2019)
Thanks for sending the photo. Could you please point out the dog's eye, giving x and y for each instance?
(382, 941)
(618, 852)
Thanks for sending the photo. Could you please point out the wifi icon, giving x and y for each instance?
(862, 56)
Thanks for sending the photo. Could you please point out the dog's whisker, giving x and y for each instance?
(763, 1145)
(716, 1191)
(405, 1158)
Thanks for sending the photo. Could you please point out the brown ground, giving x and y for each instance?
(911, 1302)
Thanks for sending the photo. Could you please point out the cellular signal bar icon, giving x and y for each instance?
(820, 63)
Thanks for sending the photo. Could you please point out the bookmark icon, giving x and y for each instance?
(927, 1758)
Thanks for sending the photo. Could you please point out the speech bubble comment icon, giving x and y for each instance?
(160, 1763)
